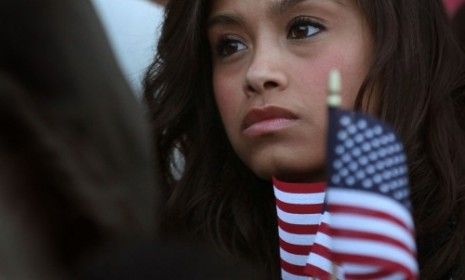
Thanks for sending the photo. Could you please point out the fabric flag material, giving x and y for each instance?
(367, 231)
(299, 207)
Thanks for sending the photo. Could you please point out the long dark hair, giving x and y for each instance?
(458, 23)
(417, 83)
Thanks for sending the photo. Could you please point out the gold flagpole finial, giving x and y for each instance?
(334, 88)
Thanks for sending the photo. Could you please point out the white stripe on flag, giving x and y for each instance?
(299, 260)
(364, 199)
(357, 269)
(289, 276)
(325, 218)
(350, 268)
(326, 265)
(323, 239)
(298, 219)
(299, 198)
(373, 249)
(372, 225)
(296, 239)
(320, 262)
(363, 270)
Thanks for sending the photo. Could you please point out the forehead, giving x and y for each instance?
(272, 5)
(228, 12)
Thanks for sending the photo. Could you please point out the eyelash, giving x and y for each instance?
(225, 42)
(228, 40)
(301, 21)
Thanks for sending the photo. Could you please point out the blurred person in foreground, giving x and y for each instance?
(76, 172)
(77, 188)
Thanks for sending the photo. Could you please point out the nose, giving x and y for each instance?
(266, 72)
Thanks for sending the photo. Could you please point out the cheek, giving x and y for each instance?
(312, 74)
(228, 99)
(354, 71)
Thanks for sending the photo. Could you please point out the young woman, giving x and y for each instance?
(238, 89)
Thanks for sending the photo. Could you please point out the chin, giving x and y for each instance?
(289, 168)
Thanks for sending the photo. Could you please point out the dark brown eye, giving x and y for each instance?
(228, 47)
(303, 28)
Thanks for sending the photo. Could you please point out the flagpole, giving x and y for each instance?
(334, 101)
(361, 189)
(334, 89)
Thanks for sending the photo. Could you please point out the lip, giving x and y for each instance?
(264, 120)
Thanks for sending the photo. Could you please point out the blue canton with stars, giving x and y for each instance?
(365, 154)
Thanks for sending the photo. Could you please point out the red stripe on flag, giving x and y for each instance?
(292, 268)
(315, 271)
(387, 265)
(299, 229)
(299, 208)
(294, 249)
(322, 251)
(299, 187)
(337, 208)
(374, 237)
(325, 228)
(369, 276)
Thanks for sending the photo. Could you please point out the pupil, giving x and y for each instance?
(302, 31)
(231, 47)
(227, 49)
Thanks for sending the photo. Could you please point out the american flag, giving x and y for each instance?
(299, 207)
(366, 231)
(359, 224)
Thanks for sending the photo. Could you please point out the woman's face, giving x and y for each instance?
(271, 60)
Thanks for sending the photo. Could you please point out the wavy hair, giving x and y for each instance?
(416, 81)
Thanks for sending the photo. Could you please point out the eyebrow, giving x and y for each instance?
(225, 19)
(282, 6)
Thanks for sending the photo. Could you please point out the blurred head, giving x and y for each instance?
(76, 165)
